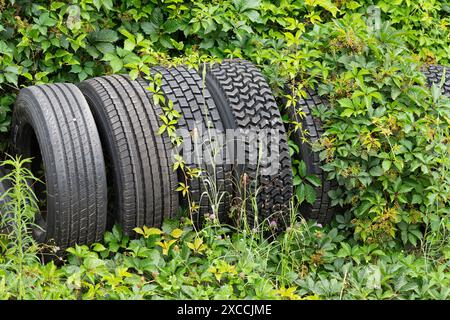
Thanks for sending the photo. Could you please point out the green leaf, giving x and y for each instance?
(93, 51)
(97, 4)
(386, 165)
(98, 247)
(107, 4)
(363, 208)
(405, 188)
(115, 62)
(296, 181)
(346, 103)
(352, 5)
(310, 194)
(347, 113)
(314, 180)
(399, 164)
(395, 93)
(416, 199)
(253, 15)
(345, 250)
(149, 28)
(166, 42)
(93, 263)
(376, 171)
(302, 169)
(243, 5)
(134, 74)
(207, 43)
(76, 69)
(105, 47)
(56, 5)
(12, 69)
(300, 193)
(412, 239)
(171, 26)
(129, 45)
(46, 20)
(326, 4)
(11, 78)
(105, 35)
(4, 49)
(157, 17)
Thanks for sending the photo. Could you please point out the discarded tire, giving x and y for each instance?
(247, 105)
(70, 130)
(53, 125)
(321, 210)
(140, 173)
(434, 75)
(201, 122)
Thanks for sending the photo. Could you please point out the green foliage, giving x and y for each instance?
(386, 142)
(218, 262)
(306, 262)
(426, 24)
(19, 208)
(304, 184)
(386, 139)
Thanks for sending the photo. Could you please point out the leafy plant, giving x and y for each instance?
(19, 207)
(386, 143)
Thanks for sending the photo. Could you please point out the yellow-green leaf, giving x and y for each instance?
(176, 233)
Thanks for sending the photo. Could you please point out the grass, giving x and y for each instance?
(306, 261)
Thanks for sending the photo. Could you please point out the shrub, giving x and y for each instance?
(386, 138)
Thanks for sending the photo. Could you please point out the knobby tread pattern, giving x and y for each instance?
(240, 88)
(73, 161)
(321, 210)
(184, 87)
(434, 74)
(143, 181)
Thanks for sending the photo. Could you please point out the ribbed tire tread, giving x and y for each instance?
(73, 161)
(143, 180)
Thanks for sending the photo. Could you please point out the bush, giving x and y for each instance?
(386, 139)
(386, 142)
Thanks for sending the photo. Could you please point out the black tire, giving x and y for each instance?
(53, 123)
(434, 74)
(246, 103)
(321, 210)
(184, 87)
(141, 170)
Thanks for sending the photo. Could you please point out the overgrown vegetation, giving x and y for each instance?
(386, 142)
(217, 262)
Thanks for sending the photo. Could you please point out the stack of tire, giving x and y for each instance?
(97, 147)
(322, 209)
